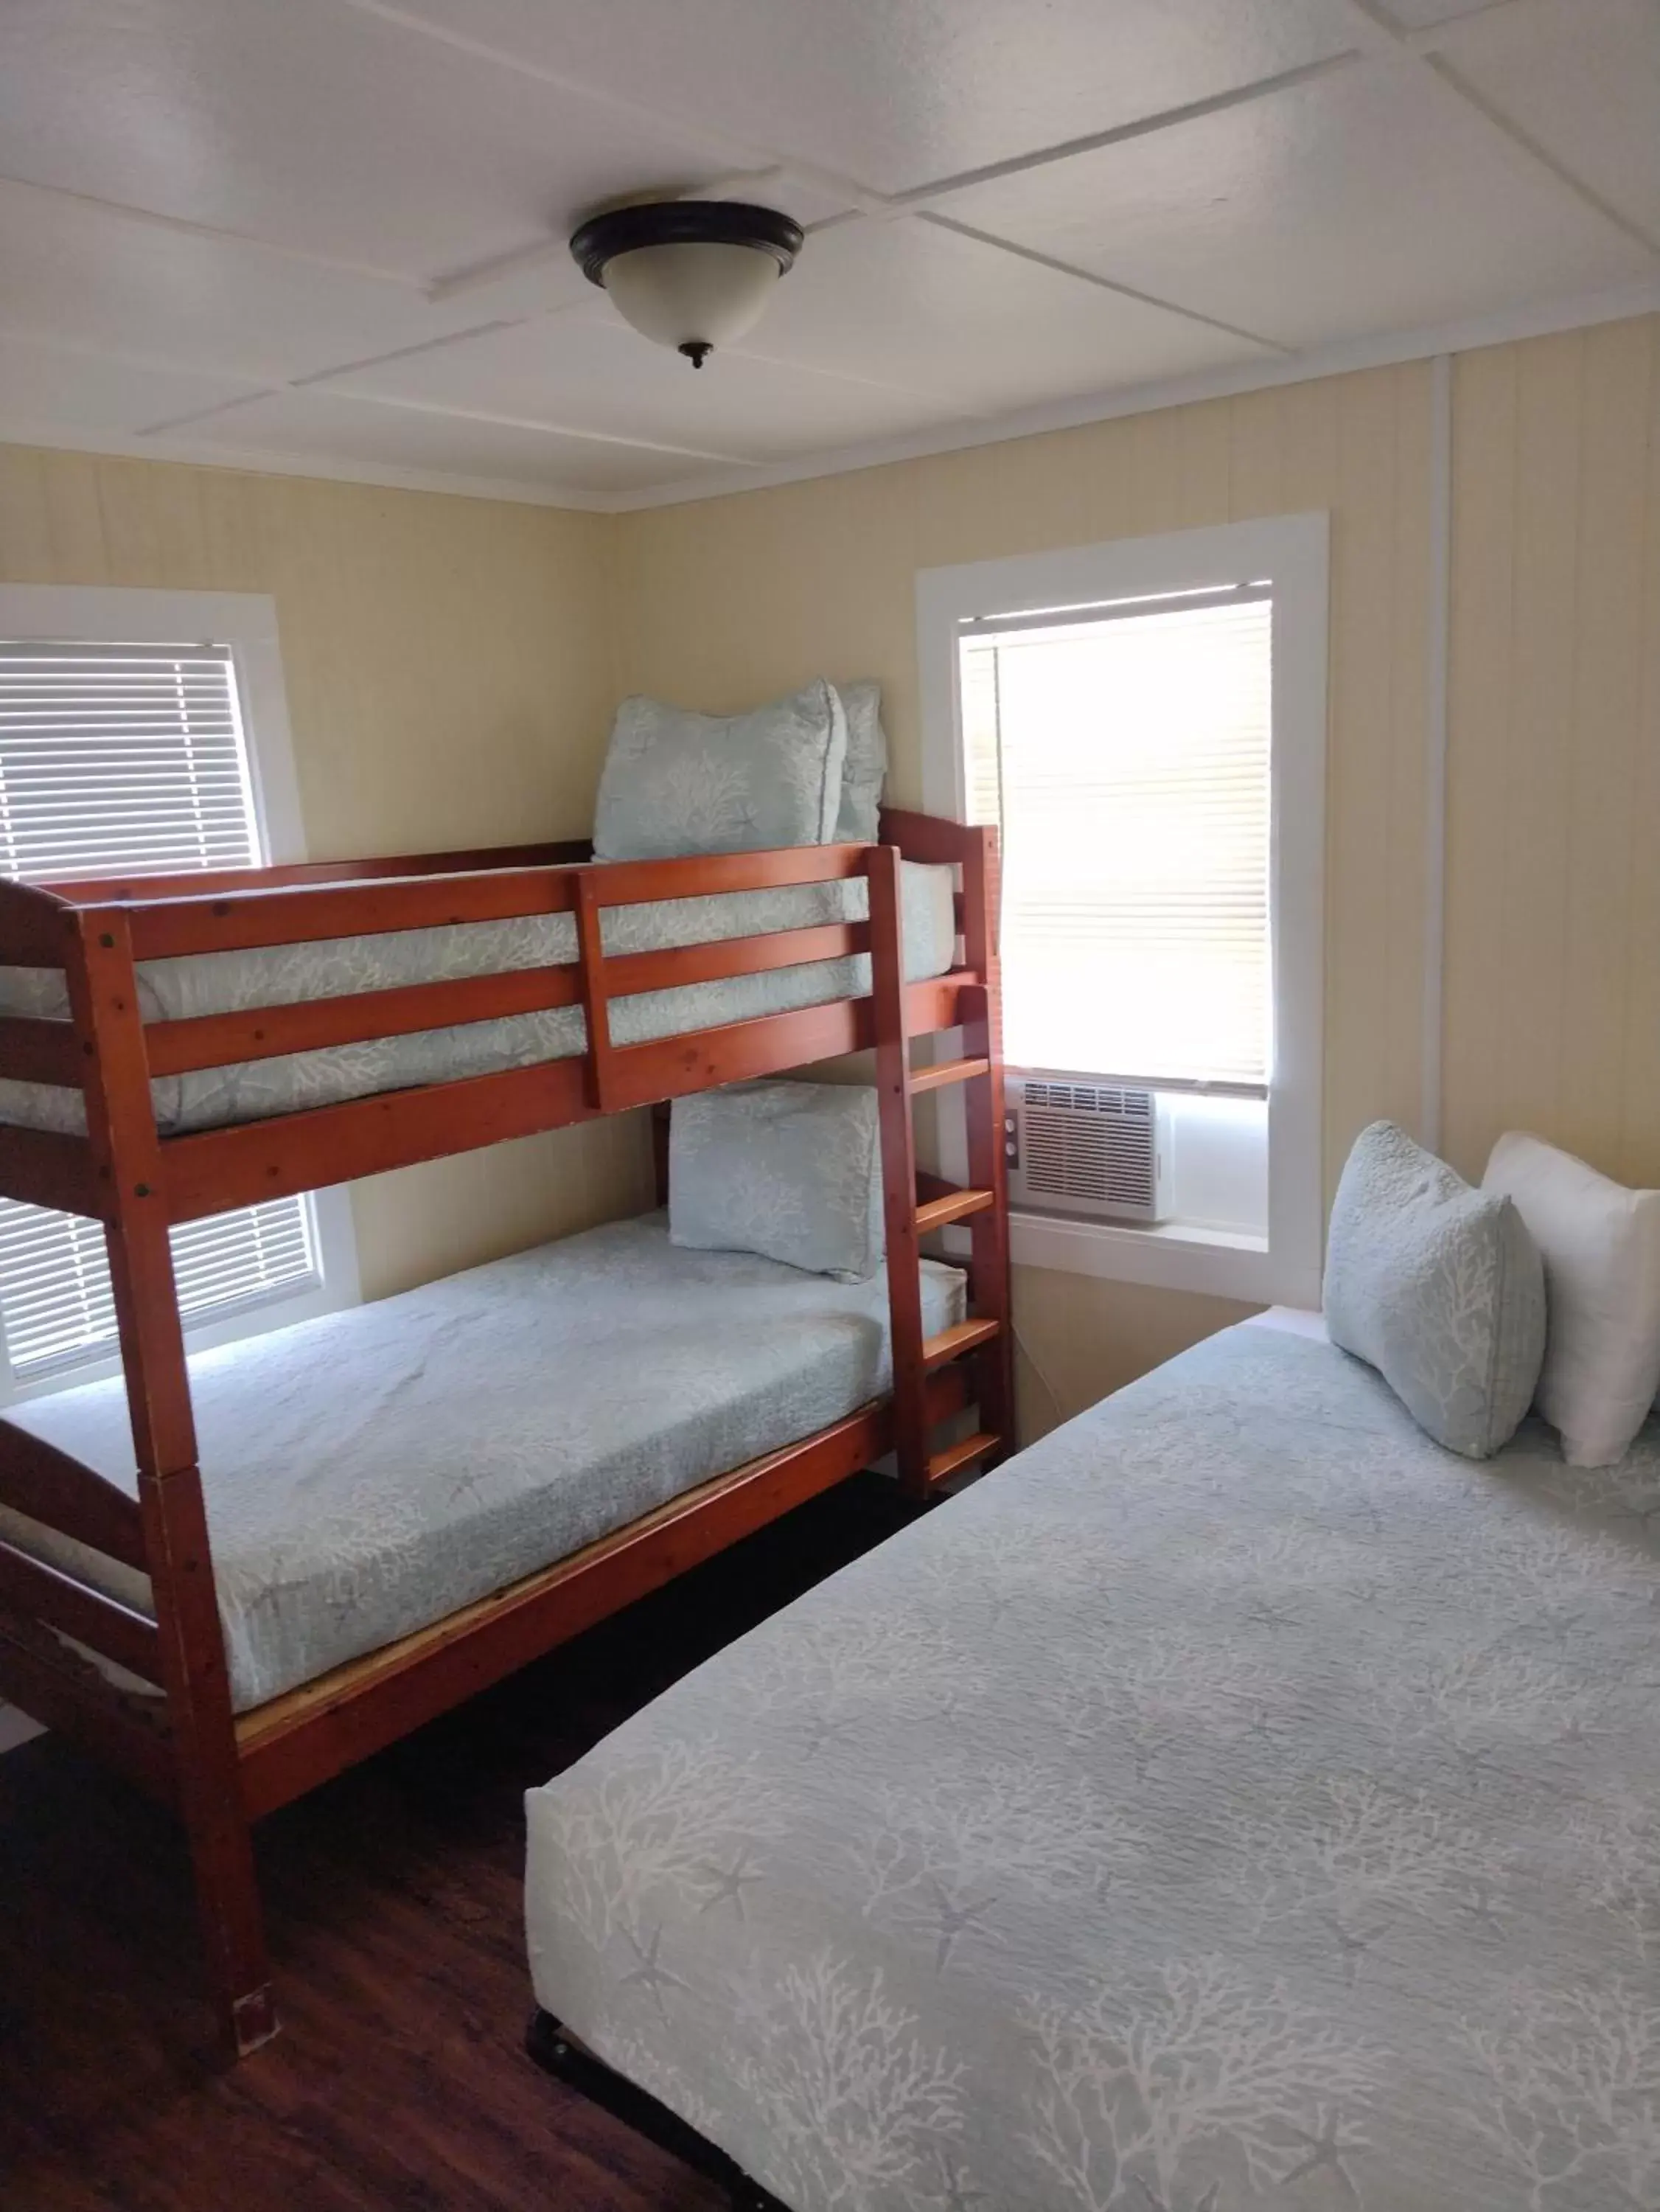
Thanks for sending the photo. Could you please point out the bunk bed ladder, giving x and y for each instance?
(914, 1204)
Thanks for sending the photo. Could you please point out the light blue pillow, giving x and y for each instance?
(675, 782)
(791, 1171)
(1438, 1286)
(865, 769)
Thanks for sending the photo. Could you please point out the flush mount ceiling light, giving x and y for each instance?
(690, 274)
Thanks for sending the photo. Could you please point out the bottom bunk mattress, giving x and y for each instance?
(1236, 1801)
(370, 1471)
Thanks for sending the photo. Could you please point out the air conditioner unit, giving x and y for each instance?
(1079, 1147)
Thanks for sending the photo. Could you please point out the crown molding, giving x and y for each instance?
(1539, 319)
(253, 460)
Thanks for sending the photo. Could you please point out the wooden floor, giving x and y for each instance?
(394, 1904)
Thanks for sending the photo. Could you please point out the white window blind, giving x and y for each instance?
(129, 760)
(1126, 755)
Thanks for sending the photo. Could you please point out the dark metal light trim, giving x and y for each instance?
(684, 222)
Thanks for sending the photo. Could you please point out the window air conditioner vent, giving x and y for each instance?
(1098, 1149)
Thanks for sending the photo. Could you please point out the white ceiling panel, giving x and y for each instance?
(590, 372)
(1583, 78)
(324, 428)
(63, 391)
(71, 270)
(1362, 203)
(315, 124)
(922, 305)
(897, 93)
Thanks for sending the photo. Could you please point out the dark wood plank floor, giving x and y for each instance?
(394, 1904)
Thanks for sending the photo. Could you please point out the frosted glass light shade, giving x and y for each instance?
(690, 274)
(690, 294)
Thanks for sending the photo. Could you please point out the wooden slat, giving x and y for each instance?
(29, 1587)
(66, 1693)
(64, 1494)
(35, 926)
(924, 836)
(222, 1040)
(42, 1167)
(733, 955)
(214, 1170)
(955, 1457)
(296, 1742)
(736, 1052)
(199, 883)
(636, 883)
(952, 1343)
(40, 1051)
(944, 1071)
(955, 1206)
(237, 922)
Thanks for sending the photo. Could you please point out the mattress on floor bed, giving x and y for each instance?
(1235, 1801)
(374, 1470)
(284, 975)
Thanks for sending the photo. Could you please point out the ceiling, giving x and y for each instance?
(329, 234)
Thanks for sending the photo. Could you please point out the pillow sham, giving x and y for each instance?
(864, 771)
(1440, 1287)
(791, 1171)
(675, 782)
(1601, 1247)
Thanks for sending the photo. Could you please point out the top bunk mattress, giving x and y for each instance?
(373, 1471)
(284, 975)
(1235, 1801)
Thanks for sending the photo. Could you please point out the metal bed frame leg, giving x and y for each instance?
(559, 2054)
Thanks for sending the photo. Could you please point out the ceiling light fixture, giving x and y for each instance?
(690, 274)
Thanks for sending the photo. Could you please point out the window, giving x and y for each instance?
(130, 754)
(1124, 756)
(1144, 722)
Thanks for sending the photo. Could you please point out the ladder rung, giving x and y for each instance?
(953, 1207)
(952, 1343)
(955, 1456)
(948, 1071)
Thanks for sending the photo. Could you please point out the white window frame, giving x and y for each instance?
(1291, 553)
(246, 623)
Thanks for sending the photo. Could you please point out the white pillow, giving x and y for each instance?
(1600, 1245)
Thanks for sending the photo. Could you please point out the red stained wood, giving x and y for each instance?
(61, 1492)
(984, 1107)
(65, 1693)
(591, 984)
(735, 955)
(891, 1017)
(29, 1588)
(43, 1167)
(36, 926)
(40, 1051)
(198, 883)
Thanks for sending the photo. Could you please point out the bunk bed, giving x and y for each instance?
(113, 1627)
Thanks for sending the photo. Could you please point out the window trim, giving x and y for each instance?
(246, 621)
(1291, 553)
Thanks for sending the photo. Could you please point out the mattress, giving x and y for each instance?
(372, 1471)
(284, 975)
(1236, 1801)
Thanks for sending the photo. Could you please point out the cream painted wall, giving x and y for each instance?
(448, 668)
(719, 603)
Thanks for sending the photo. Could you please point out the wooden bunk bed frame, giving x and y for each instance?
(221, 1771)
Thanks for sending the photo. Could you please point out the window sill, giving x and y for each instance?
(1176, 1257)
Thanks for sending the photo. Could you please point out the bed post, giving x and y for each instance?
(127, 1149)
(899, 1170)
(988, 1161)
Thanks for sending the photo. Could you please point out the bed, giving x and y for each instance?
(1237, 1802)
(353, 1495)
(199, 984)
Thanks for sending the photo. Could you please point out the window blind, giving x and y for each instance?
(127, 759)
(1125, 757)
